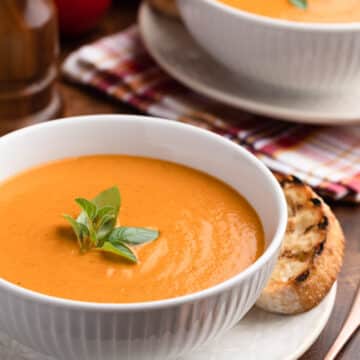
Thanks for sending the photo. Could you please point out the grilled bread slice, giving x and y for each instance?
(167, 7)
(311, 254)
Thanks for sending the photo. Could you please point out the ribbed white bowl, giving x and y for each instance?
(285, 54)
(72, 330)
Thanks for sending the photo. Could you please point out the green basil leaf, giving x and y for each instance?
(109, 198)
(104, 211)
(105, 220)
(94, 227)
(84, 230)
(75, 225)
(87, 207)
(120, 250)
(80, 230)
(302, 4)
(105, 226)
(133, 235)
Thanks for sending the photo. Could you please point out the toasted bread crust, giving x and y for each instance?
(318, 248)
(167, 7)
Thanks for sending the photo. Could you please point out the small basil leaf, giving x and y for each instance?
(88, 208)
(74, 224)
(105, 220)
(109, 198)
(80, 230)
(133, 235)
(120, 250)
(302, 4)
(104, 211)
(105, 226)
(84, 230)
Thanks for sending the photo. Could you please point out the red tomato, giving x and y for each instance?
(79, 16)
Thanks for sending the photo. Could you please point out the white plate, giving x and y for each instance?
(174, 49)
(258, 336)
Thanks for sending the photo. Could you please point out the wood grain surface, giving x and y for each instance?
(82, 101)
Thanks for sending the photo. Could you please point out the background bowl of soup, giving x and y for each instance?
(160, 329)
(279, 44)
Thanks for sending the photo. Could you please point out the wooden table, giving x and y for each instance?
(81, 101)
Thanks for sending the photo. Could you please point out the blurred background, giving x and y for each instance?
(37, 35)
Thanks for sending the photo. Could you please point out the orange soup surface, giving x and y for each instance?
(317, 11)
(208, 232)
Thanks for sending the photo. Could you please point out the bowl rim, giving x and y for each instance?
(281, 23)
(166, 303)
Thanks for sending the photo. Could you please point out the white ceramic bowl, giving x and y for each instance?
(73, 330)
(286, 54)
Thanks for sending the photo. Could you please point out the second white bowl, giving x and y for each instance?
(285, 54)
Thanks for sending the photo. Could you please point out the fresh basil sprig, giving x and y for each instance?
(302, 4)
(95, 227)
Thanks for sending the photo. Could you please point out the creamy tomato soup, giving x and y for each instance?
(332, 11)
(208, 232)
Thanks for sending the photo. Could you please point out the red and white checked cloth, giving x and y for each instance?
(326, 158)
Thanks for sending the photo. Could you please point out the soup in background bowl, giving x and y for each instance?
(315, 11)
(75, 157)
(283, 49)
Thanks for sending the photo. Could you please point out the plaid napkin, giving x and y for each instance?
(326, 158)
